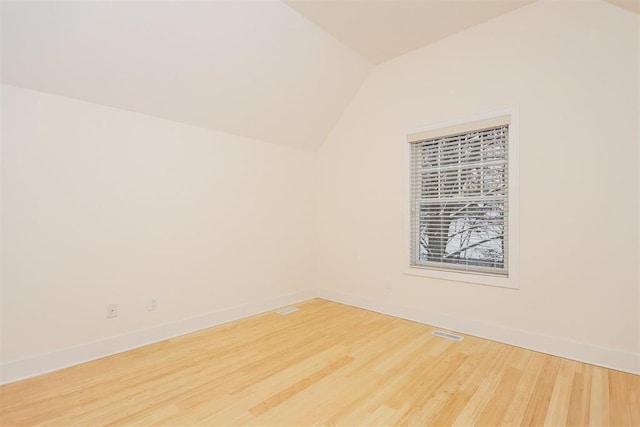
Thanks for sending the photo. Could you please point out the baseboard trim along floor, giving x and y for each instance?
(325, 364)
(70, 356)
(609, 358)
(556, 346)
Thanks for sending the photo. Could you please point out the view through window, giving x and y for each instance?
(459, 201)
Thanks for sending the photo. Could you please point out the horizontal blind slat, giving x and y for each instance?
(459, 190)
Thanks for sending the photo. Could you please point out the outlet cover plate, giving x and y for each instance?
(112, 311)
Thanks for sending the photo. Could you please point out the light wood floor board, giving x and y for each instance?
(326, 364)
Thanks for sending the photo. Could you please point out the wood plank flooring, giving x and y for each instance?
(326, 364)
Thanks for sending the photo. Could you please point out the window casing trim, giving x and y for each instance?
(469, 124)
(463, 127)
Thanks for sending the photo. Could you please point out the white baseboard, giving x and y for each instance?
(70, 356)
(557, 346)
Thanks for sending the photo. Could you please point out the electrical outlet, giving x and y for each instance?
(112, 311)
(152, 304)
(388, 285)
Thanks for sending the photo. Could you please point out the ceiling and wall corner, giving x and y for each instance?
(631, 5)
(241, 67)
(254, 69)
(382, 30)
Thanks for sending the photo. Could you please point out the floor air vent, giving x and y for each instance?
(287, 310)
(447, 335)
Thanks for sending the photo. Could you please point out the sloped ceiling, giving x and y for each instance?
(631, 5)
(256, 69)
(279, 71)
(381, 30)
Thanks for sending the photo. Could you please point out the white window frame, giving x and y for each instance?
(512, 258)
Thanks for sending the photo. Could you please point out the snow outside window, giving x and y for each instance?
(459, 198)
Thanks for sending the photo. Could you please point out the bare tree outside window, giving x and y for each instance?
(459, 201)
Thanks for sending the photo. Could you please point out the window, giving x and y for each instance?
(460, 202)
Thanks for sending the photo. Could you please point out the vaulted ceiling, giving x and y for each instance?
(381, 30)
(256, 69)
(279, 71)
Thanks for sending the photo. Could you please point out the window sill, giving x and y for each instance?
(509, 282)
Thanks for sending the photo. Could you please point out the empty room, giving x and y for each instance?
(320, 212)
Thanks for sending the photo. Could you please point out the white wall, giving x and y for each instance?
(107, 206)
(638, 177)
(571, 70)
(243, 67)
(102, 206)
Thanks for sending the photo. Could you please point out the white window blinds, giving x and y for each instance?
(459, 197)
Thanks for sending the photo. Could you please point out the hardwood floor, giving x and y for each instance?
(326, 364)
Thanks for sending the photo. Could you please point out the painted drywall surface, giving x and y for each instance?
(381, 30)
(570, 69)
(1, 233)
(242, 67)
(106, 206)
(638, 178)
